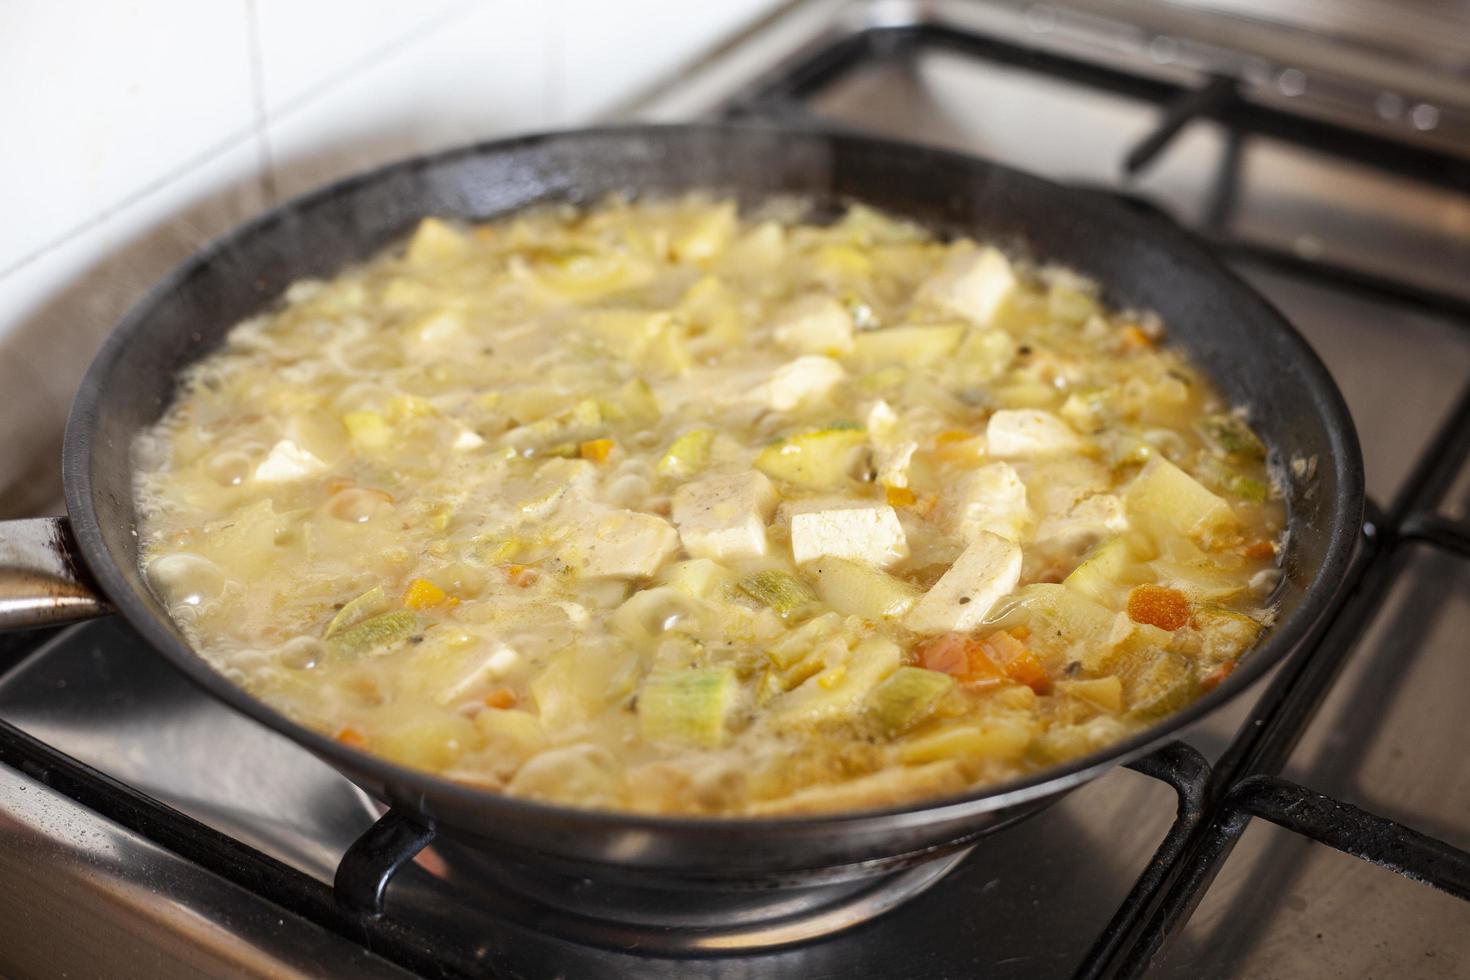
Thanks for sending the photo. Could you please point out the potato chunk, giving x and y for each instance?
(1022, 433)
(725, 517)
(804, 379)
(814, 325)
(986, 570)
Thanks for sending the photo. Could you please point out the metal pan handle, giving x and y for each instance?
(42, 581)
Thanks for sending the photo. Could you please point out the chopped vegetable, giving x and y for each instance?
(782, 591)
(687, 454)
(423, 594)
(371, 634)
(686, 706)
(858, 589)
(1156, 605)
(817, 459)
(369, 604)
(906, 697)
(1230, 435)
(596, 450)
(1169, 501)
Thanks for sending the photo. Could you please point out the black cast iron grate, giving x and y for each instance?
(1215, 804)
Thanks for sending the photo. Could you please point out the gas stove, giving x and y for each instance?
(146, 830)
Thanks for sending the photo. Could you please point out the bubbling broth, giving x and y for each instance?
(657, 506)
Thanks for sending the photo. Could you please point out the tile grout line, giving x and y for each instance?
(289, 108)
(260, 120)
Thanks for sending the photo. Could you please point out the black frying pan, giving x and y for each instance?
(1249, 350)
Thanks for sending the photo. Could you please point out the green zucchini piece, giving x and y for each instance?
(686, 706)
(380, 631)
(906, 697)
(1158, 683)
(369, 604)
(780, 590)
(816, 459)
(688, 454)
(1231, 435)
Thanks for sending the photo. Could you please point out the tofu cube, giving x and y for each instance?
(973, 283)
(287, 462)
(814, 325)
(1096, 516)
(806, 378)
(725, 517)
(991, 498)
(858, 530)
(1024, 433)
(620, 544)
(959, 602)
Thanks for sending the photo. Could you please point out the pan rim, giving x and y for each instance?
(405, 784)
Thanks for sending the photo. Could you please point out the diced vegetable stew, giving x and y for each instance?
(663, 507)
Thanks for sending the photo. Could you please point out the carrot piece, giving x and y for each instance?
(1260, 548)
(1027, 669)
(1135, 338)
(953, 435)
(423, 594)
(352, 737)
(1020, 632)
(962, 657)
(899, 496)
(1158, 605)
(501, 697)
(1213, 679)
(596, 450)
(948, 654)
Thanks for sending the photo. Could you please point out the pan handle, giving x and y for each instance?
(42, 579)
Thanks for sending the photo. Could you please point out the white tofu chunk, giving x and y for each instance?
(973, 283)
(991, 498)
(859, 530)
(287, 462)
(1021, 433)
(805, 378)
(724, 517)
(814, 325)
(959, 602)
(1091, 517)
(620, 544)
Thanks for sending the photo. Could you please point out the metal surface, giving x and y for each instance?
(41, 582)
(84, 897)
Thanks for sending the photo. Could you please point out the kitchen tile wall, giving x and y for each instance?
(139, 130)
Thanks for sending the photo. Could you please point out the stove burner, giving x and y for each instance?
(680, 919)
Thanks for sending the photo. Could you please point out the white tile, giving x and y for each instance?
(475, 77)
(608, 52)
(101, 100)
(55, 309)
(306, 44)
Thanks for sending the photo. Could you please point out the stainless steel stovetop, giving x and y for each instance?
(1366, 255)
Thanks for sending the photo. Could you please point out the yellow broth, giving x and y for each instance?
(662, 507)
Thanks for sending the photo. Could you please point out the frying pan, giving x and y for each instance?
(52, 570)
